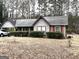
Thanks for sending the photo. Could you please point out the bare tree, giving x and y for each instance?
(75, 6)
(33, 8)
(26, 8)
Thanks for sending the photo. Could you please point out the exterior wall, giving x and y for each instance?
(64, 32)
(41, 22)
(53, 28)
(63, 29)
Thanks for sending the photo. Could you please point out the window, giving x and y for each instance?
(41, 28)
(58, 28)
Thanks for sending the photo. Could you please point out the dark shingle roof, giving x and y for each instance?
(25, 22)
(13, 22)
(57, 20)
(54, 20)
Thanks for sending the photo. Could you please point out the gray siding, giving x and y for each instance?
(41, 22)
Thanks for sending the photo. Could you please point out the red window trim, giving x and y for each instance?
(62, 28)
(52, 28)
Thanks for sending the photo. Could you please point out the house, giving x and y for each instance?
(47, 24)
(51, 24)
(9, 25)
(24, 24)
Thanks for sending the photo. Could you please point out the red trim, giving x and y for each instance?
(52, 28)
(62, 28)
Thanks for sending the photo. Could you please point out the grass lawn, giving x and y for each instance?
(39, 48)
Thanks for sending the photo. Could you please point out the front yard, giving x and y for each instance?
(39, 48)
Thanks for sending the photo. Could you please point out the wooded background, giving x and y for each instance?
(27, 9)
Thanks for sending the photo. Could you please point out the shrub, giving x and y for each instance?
(55, 35)
(36, 34)
(18, 33)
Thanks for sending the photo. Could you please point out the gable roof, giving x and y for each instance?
(9, 24)
(39, 19)
(13, 21)
(54, 20)
(25, 22)
(57, 20)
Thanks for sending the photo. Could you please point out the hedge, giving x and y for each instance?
(37, 34)
(19, 33)
(55, 35)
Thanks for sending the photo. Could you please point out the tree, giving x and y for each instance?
(52, 7)
(73, 25)
(42, 7)
(75, 6)
(3, 12)
(33, 9)
(58, 7)
(26, 8)
(1, 9)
